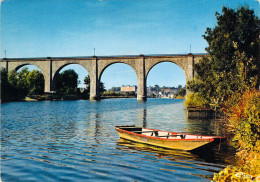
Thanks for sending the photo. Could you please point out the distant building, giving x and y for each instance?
(168, 92)
(129, 88)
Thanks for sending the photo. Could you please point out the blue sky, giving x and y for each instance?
(60, 28)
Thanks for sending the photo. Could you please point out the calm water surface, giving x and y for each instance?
(76, 141)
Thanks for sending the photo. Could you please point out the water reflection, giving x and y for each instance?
(124, 144)
(210, 155)
(76, 141)
(177, 158)
(144, 118)
(206, 127)
(97, 127)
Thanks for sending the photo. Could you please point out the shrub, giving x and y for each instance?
(196, 100)
(243, 112)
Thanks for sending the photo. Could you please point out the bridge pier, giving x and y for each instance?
(94, 81)
(189, 72)
(141, 80)
(48, 77)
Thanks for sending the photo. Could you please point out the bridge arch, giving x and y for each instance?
(19, 65)
(76, 69)
(119, 78)
(95, 66)
(165, 61)
(22, 65)
(103, 65)
(108, 65)
(60, 65)
(151, 65)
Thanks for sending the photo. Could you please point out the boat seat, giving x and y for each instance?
(182, 136)
(155, 133)
(142, 131)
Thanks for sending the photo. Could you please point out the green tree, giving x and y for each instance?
(35, 80)
(232, 62)
(179, 87)
(115, 89)
(181, 92)
(22, 82)
(13, 78)
(7, 90)
(87, 82)
(86, 92)
(19, 83)
(102, 87)
(67, 82)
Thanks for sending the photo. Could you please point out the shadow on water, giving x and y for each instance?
(209, 155)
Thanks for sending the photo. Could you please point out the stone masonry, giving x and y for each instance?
(95, 66)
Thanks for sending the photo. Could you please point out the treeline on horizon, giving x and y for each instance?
(16, 86)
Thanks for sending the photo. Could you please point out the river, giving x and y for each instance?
(76, 141)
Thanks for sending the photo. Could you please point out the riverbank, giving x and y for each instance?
(46, 97)
(53, 97)
(243, 123)
(116, 97)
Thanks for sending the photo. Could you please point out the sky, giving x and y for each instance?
(66, 28)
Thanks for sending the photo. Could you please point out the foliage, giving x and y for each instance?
(7, 91)
(131, 93)
(232, 174)
(87, 83)
(108, 93)
(86, 92)
(35, 80)
(102, 87)
(181, 92)
(119, 94)
(15, 86)
(243, 111)
(232, 62)
(115, 89)
(196, 100)
(227, 79)
(22, 82)
(179, 87)
(66, 82)
(244, 117)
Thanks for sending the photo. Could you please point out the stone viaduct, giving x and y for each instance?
(95, 66)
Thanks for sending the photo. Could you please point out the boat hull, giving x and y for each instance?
(179, 144)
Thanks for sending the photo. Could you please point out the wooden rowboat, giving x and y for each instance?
(166, 139)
